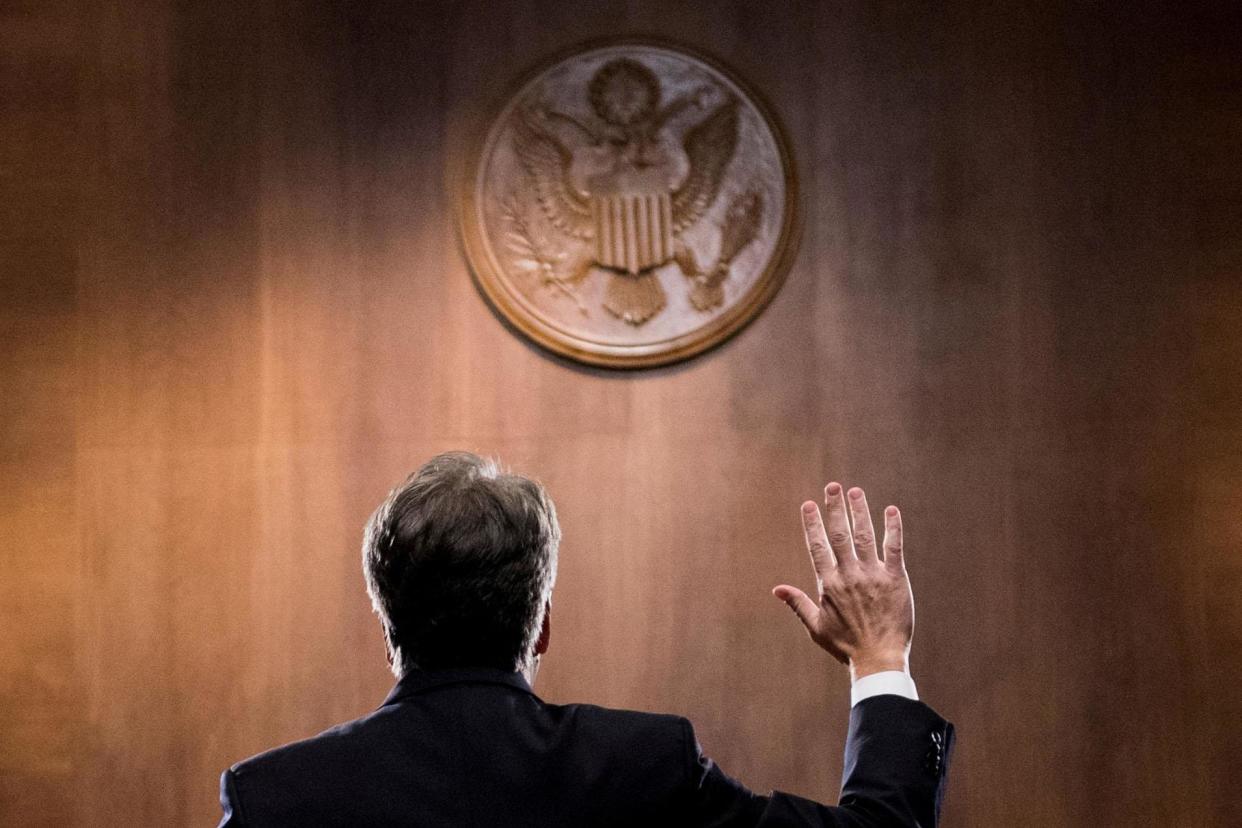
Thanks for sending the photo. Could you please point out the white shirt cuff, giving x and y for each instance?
(889, 682)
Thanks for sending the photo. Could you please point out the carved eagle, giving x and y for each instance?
(632, 231)
(709, 146)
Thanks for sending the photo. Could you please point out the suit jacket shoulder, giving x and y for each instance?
(479, 749)
(463, 753)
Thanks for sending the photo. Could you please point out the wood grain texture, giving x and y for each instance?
(234, 313)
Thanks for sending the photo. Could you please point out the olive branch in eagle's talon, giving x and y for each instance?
(531, 253)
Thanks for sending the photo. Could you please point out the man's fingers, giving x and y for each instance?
(894, 556)
(798, 601)
(816, 540)
(838, 525)
(864, 531)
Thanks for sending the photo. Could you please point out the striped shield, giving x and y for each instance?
(633, 232)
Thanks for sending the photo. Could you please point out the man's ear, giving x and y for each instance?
(545, 632)
(390, 652)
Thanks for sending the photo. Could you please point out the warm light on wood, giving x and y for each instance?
(234, 312)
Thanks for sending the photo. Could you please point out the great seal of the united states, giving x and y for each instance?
(631, 204)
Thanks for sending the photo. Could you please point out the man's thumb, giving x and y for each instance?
(798, 601)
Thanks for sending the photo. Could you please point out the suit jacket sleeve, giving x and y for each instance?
(896, 761)
(230, 802)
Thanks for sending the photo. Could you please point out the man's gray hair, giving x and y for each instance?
(459, 562)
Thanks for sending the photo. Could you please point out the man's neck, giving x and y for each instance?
(530, 669)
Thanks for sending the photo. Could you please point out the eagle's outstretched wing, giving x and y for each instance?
(546, 162)
(709, 146)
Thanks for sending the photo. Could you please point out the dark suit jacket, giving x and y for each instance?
(478, 748)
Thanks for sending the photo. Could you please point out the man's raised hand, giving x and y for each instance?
(865, 613)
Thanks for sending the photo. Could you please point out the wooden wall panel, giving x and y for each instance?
(233, 313)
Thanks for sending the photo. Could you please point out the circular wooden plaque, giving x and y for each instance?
(630, 205)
